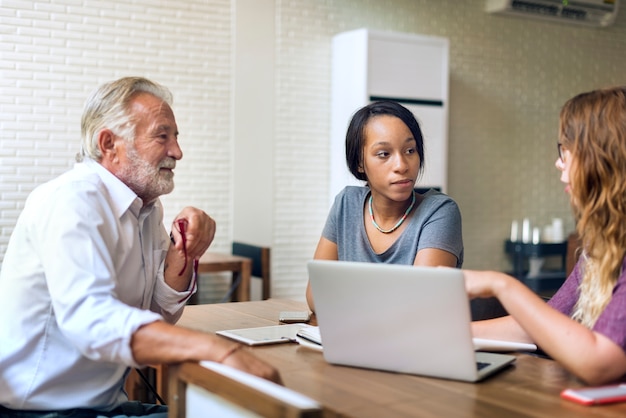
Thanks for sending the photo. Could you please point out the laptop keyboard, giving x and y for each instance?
(480, 365)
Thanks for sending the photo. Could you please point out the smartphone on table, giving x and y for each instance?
(291, 317)
(596, 395)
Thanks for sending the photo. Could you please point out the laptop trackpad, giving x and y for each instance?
(487, 363)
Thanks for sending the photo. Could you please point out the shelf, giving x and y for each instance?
(528, 249)
(545, 280)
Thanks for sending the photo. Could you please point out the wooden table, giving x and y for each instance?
(530, 388)
(210, 262)
(241, 268)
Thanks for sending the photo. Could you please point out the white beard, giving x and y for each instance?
(147, 181)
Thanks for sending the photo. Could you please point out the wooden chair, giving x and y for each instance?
(260, 263)
(212, 389)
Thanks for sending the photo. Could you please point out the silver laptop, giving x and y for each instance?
(398, 318)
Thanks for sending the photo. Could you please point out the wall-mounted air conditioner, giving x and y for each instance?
(598, 13)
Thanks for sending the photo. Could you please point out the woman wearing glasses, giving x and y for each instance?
(387, 221)
(583, 326)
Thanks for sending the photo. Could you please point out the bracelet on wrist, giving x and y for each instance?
(230, 352)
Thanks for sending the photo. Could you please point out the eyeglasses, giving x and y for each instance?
(559, 147)
(182, 228)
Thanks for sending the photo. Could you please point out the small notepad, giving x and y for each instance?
(273, 334)
(309, 337)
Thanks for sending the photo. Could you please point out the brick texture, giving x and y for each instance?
(508, 79)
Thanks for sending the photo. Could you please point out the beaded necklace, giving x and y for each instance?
(397, 225)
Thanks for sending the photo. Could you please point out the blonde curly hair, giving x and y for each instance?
(593, 129)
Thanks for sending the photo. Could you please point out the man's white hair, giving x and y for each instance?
(107, 108)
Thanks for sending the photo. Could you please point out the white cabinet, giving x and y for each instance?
(411, 69)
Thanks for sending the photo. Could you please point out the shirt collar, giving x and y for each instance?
(122, 196)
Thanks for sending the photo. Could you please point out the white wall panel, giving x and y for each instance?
(508, 80)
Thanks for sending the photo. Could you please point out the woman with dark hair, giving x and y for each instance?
(387, 221)
(583, 326)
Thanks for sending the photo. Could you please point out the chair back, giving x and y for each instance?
(260, 263)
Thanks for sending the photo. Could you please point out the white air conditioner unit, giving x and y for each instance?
(598, 13)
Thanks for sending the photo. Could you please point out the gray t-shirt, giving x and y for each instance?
(435, 223)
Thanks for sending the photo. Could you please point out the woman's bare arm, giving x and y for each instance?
(587, 354)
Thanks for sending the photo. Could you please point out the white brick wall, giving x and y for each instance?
(53, 53)
(508, 79)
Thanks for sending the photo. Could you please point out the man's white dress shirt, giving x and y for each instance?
(82, 272)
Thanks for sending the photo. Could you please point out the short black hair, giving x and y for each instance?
(355, 136)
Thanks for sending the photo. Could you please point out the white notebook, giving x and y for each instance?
(310, 337)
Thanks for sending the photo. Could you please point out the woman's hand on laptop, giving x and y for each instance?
(484, 284)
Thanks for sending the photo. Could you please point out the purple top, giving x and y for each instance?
(612, 321)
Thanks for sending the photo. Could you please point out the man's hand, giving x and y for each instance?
(243, 360)
(192, 233)
(199, 233)
(159, 343)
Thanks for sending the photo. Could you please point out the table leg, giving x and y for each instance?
(242, 293)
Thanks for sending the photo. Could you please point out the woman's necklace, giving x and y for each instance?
(397, 225)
